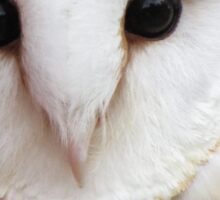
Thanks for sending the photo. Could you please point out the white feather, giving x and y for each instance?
(152, 120)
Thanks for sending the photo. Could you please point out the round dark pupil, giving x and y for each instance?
(9, 23)
(155, 17)
(151, 18)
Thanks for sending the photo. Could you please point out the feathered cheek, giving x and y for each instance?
(73, 59)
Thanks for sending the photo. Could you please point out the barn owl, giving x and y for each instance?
(109, 100)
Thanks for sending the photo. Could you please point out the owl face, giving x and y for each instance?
(79, 58)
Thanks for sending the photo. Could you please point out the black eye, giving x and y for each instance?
(152, 18)
(9, 23)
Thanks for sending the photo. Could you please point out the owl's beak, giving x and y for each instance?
(77, 163)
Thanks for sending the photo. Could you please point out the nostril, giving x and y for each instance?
(9, 23)
(153, 19)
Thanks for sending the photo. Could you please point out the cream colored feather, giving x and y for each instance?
(133, 119)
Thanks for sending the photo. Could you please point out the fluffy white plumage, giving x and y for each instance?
(147, 113)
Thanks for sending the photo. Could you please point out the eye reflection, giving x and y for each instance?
(152, 18)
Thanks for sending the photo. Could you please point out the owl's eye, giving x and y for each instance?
(9, 23)
(152, 18)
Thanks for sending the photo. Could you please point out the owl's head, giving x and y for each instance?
(81, 58)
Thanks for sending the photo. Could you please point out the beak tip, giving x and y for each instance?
(77, 161)
(78, 173)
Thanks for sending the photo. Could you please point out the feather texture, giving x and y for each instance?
(147, 113)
